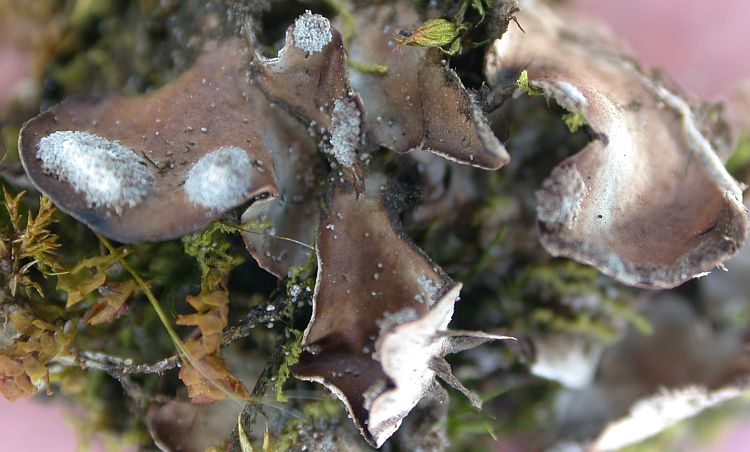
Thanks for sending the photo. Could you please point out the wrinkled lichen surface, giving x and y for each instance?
(310, 206)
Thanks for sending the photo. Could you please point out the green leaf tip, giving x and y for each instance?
(433, 33)
(524, 83)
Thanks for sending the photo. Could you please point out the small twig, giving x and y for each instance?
(120, 370)
(138, 394)
(262, 385)
(273, 236)
(258, 315)
(265, 381)
(119, 367)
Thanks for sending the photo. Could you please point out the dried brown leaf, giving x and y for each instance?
(23, 363)
(212, 380)
(111, 303)
(211, 318)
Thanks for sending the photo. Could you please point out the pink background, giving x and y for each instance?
(704, 45)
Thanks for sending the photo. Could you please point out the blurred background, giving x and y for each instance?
(702, 45)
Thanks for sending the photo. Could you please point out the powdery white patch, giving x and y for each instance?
(312, 32)
(107, 173)
(390, 320)
(655, 414)
(221, 179)
(561, 197)
(346, 127)
(429, 292)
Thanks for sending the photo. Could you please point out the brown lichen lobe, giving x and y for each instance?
(648, 201)
(294, 213)
(308, 79)
(381, 308)
(420, 103)
(196, 148)
(350, 299)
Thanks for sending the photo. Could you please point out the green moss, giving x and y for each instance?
(481, 7)
(368, 68)
(211, 248)
(291, 351)
(564, 282)
(318, 412)
(9, 142)
(84, 11)
(525, 84)
(432, 33)
(574, 121)
(299, 286)
(466, 421)
(739, 162)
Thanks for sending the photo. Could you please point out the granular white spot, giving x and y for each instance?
(345, 132)
(107, 173)
(220, 180)
(429, 290)
(311, 32)
(561, 197)
(390, 320)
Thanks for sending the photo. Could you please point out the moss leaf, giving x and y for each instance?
(432, 33)
(111, 302)
(212, 381)
(86, 277)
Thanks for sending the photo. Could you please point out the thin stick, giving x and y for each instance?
(117, 367)
(278, 237)
(163, 318)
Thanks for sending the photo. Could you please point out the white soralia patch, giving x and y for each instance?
(430, 290)
(346, 126)
(312, 32)
(221, 179)
(107, 173)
